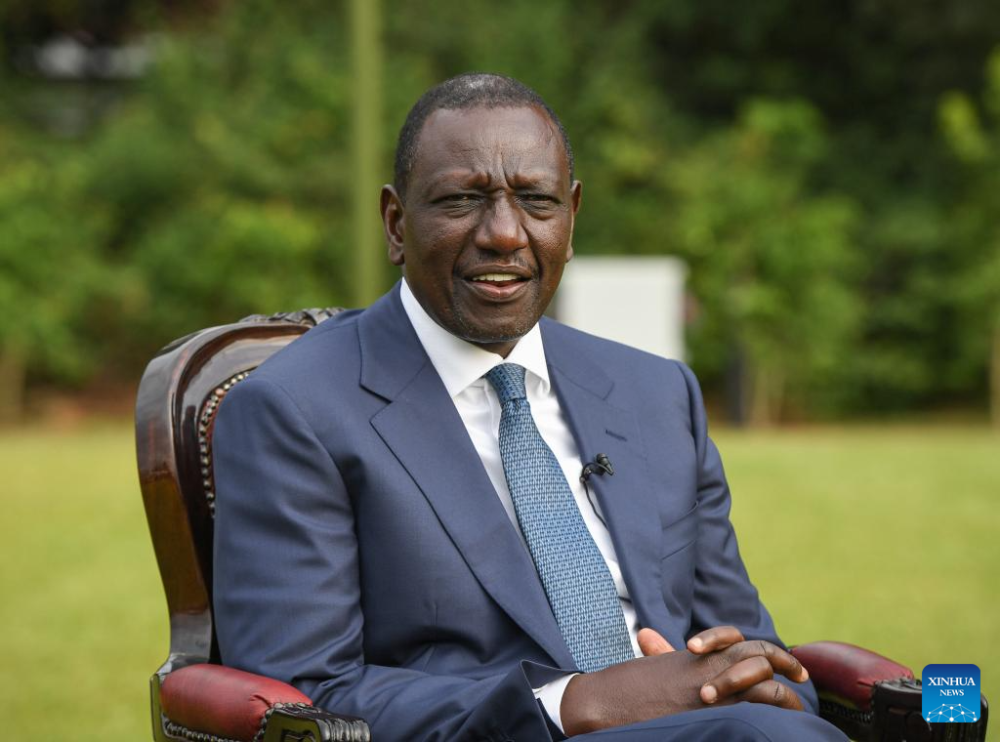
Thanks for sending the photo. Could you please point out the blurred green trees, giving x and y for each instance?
(51, 274)
(773, 260)
(830, 173)
(973, 131)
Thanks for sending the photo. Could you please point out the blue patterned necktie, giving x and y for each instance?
(575, 576)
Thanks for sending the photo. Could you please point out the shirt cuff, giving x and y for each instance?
(550, 695)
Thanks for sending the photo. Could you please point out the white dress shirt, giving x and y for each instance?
(461, 366)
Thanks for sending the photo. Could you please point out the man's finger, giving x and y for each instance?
(784, 663)
(714, 639)
(773, 693)
(652, 643)
(737, 679)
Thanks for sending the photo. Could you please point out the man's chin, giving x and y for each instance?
(494, 336)
(486, 338)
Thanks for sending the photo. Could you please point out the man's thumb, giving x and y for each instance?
(652, 643)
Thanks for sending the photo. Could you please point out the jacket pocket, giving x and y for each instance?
(680, 534)
(678, 563)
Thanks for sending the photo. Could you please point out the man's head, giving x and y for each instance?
(462, 92)
(481, 215)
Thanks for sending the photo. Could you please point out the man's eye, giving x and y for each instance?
(537, 200)
(459, 199)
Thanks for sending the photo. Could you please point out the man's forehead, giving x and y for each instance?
(478, 117)
(478, 135)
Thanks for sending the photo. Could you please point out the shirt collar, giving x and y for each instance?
(460, 363)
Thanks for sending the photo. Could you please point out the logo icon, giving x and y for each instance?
(950, 694)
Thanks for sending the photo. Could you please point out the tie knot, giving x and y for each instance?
(508, 381)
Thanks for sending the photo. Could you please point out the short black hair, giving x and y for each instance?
(462, 92)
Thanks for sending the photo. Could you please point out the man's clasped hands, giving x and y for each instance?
(717, 667)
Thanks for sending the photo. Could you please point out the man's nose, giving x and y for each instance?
(501, 229)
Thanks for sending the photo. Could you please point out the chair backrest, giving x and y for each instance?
(179, 395)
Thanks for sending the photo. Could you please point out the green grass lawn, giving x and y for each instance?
(83, 622)
(883, 536)
(887, 537)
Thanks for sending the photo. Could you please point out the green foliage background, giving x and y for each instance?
(829, 172)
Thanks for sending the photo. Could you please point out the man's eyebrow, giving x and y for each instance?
(454, 177)
(535, 179)
(543, 179)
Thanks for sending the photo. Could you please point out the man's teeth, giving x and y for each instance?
(496, 277)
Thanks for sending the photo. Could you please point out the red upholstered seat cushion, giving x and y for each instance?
(847, 671)
(221, 700)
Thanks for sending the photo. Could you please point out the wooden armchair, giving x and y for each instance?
(193, 696)
(196, 698)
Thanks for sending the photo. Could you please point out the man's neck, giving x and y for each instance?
(459, 362)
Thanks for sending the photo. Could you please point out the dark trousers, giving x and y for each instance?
(742, 722)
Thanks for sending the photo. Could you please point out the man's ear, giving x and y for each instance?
(393, 222)
(575, 197)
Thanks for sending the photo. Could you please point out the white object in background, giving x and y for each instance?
(636, 300)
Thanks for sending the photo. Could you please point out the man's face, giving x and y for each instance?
(488, 221)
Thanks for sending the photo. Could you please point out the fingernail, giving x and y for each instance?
(805, 674)
(695, 643)
(709, 694)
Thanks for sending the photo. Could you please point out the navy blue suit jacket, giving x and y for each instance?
(362, 554)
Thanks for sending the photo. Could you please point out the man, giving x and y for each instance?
(403, 531)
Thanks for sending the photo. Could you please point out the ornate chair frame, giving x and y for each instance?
(193, 697)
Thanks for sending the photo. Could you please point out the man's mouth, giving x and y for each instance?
(498, 279)
(497, 285)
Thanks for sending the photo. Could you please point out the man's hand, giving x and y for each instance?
(652, 643)
(718, 667)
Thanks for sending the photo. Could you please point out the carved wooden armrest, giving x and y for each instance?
(212, 703)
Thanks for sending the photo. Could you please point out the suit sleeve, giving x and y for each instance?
(723, 593)
(287, 596)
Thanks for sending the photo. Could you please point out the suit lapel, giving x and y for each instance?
(426, 434)
(626, 499)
